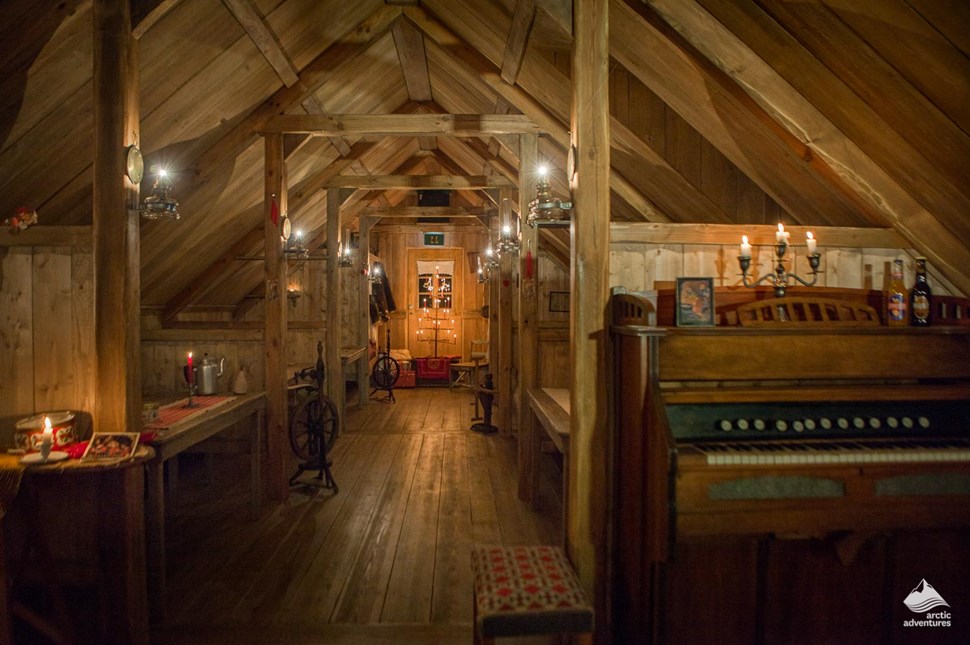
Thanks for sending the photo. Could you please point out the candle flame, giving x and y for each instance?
(744, 239)
(809, 236)
(48, 428)
(781, 227)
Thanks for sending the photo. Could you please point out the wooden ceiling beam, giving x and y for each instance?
(390, 125)
(410, 52)
(146, 13)
(518, 40)
(255, 26)
(425, 211)
(419, 182)
(472, 68)
(314, 75)
(834, 155)
(722, 113)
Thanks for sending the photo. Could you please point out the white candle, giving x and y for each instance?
(745, 247)
(810, 242)
(47, 440)
(781, 236)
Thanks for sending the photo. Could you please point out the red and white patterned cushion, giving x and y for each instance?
(523, 590)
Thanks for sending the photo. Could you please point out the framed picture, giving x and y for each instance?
(695, 302)
(559, 301)
(106, 446)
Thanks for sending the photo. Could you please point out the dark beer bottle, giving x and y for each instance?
(920, 297)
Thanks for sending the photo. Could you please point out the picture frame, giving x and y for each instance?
(559, 301)
(111, 446)
(695, 302)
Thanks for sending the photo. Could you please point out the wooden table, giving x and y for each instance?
(178, 438)
(550, 407)
(115, 515)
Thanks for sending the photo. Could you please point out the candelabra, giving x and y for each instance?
(295, 248)
(344, 256)
(779, 278)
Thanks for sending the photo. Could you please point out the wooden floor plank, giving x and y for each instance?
(408, 597)
(363, 594)
(317, 590)
(454, 538)
(418, 489)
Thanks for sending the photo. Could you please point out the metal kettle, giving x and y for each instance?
(208, 370)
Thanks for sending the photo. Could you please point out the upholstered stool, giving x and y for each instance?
(526, 590)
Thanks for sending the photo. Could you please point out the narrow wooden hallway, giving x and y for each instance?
(385, 560)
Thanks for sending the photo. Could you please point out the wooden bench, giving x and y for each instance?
(550, 408)
(527, 590)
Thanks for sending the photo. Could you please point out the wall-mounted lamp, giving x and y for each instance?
(507, 242)
(293, 294)
(159, 203)
(546, 210)
(295, 248)
(345, 256)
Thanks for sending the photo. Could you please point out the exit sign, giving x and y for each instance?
(434, 239)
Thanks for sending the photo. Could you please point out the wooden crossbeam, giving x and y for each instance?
(388, 125)
(522, 19)
(418, 182)
(426, 211)
(263, 37)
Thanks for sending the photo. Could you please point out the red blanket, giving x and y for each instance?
(433, 366)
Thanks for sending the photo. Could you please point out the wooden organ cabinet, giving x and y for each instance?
(789, 485)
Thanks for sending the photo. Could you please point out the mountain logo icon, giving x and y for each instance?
(924, 598)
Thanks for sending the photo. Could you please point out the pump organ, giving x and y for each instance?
(745, 453)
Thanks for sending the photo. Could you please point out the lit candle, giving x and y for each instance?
(190, 370)
(810, 242)
(781, 236)
(47, 440)
(745, 247)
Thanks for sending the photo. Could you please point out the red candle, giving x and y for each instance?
(190, 369)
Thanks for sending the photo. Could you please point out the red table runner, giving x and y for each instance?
(169, 415)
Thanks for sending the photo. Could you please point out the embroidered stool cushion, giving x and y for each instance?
(523, 590)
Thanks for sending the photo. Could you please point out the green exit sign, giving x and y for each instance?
(434, 239)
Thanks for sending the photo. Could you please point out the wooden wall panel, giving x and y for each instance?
(637, 267)
(16, 334)
(46, 332)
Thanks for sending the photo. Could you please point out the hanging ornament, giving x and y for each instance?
(274, 211)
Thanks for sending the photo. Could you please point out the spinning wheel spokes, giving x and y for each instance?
(313, 428)
(386, 372)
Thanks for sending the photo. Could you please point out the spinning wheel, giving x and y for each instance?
(314, 425)
(385, 372)
(313, 428)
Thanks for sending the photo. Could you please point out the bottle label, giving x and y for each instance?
(897, 307)
(921, 307)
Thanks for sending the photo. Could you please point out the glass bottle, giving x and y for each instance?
(897, 300)
(920, 297)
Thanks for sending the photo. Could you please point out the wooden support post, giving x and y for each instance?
(589, 454)
(363, 311)
(274, 339)
(528, 310)
(331, 344)
(504, 381)
(117, 264)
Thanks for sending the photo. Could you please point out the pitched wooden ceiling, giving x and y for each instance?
(817, 112)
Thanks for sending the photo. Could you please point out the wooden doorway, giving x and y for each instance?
(421, 332)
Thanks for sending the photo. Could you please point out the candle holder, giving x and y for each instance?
(779, 278)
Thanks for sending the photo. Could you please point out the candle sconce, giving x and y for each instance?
(345, 256)
(779, 278)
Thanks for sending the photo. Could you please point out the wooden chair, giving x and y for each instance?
(528, 590)
(806, 311)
